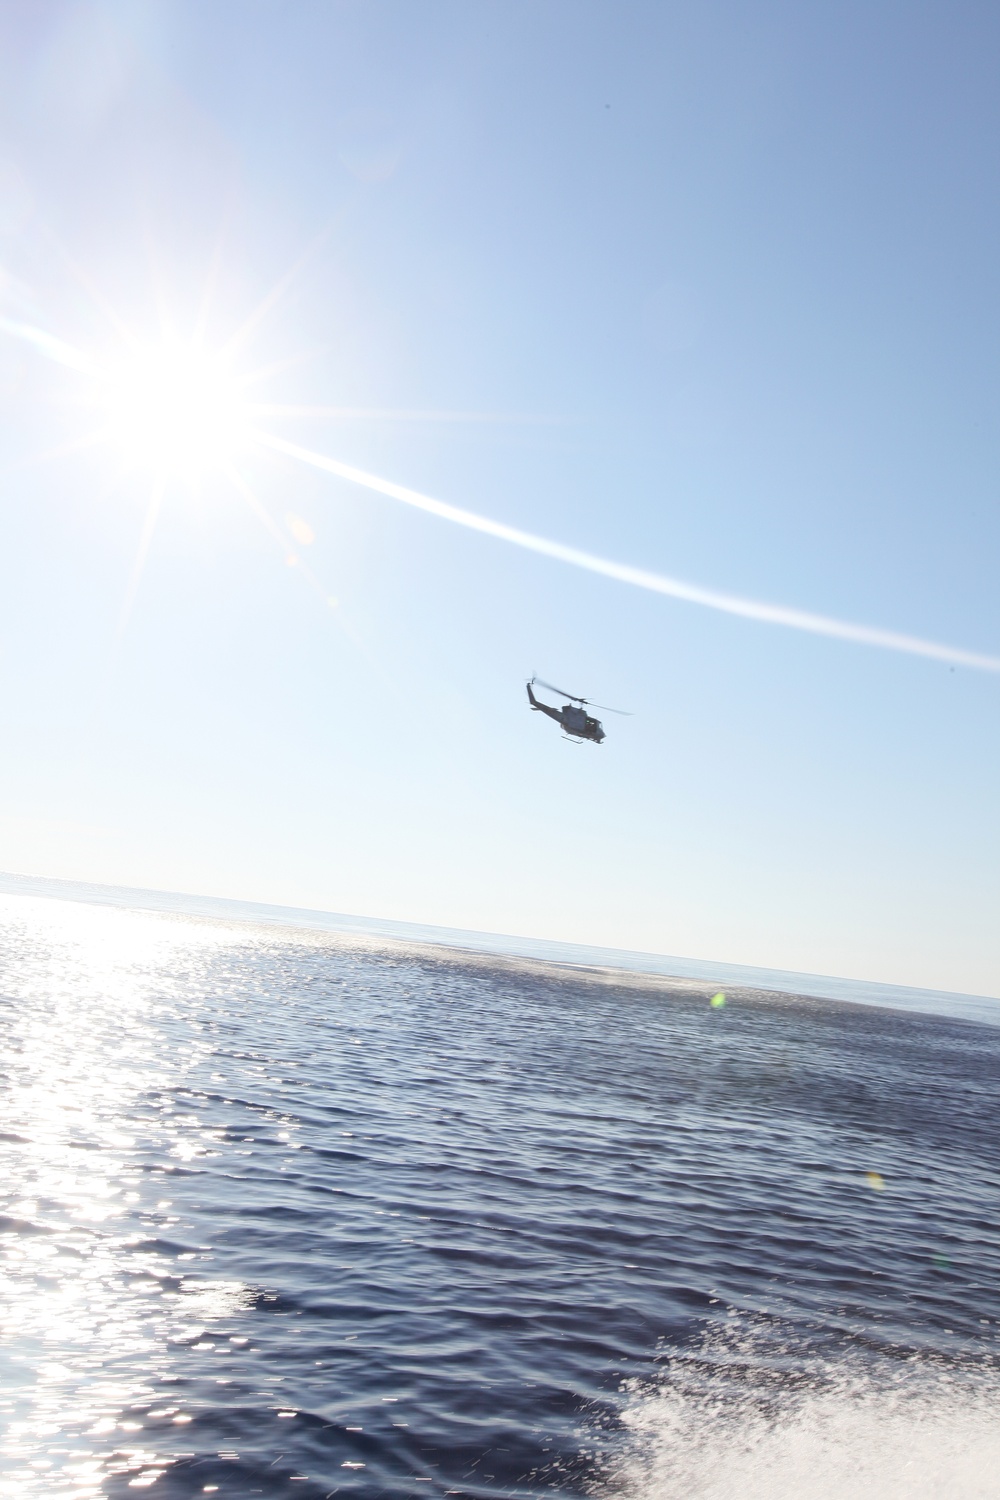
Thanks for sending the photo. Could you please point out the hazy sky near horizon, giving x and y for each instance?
(708, 289)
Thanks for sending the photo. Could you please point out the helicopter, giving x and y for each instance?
(573, 717)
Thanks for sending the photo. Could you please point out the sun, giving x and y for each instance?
(175, 408)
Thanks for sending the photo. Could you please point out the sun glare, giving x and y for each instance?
(178, 410)
(175, 408)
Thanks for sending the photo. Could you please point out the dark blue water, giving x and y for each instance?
(293, 1214)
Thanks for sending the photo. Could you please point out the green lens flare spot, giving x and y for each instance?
(717, 1001)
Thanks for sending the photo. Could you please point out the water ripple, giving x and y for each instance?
(292, 1214)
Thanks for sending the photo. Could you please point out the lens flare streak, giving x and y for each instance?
(692, 593)
(182, 405)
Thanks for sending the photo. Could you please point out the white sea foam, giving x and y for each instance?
(893, 1430)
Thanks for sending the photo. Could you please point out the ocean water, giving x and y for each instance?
(296, 1212)
(579, 955)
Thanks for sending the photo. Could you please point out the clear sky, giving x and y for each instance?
(710, 289)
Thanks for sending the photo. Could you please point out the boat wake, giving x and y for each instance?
(727, 1424)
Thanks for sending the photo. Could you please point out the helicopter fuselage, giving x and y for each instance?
(579, 724)
(572, 718)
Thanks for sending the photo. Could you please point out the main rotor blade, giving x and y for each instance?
(574, 697)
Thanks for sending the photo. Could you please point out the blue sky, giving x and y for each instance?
(710, 289)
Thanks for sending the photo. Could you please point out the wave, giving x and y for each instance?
(733, 1422)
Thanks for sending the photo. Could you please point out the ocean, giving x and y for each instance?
(300, 1207)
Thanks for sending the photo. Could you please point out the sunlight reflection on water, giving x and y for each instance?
(91, 1306)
